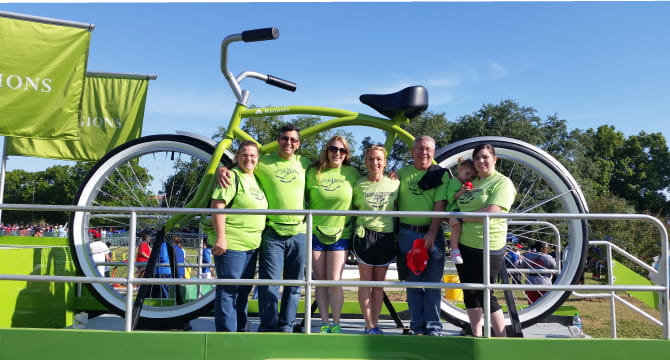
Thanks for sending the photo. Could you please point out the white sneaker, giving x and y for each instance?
(456, 256)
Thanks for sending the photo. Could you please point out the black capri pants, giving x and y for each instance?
(471, 272)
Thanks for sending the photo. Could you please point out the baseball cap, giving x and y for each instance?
(417, 257)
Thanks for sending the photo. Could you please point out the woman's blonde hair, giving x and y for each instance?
(322, 163)
(377, 148)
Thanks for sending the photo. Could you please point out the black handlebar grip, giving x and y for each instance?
(281, 83)
(271, 33)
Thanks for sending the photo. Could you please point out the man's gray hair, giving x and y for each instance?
(424, 138)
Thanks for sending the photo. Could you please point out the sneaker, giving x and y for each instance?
(325, 329)
(456, 256)
(374, 331)
(377, 331)
(435, 333)
(335, 329)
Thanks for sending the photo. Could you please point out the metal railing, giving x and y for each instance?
(610, 281)
(487, 286)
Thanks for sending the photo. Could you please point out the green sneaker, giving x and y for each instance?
(325, 329)
(336, 329)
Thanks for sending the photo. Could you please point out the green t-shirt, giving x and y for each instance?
(332, 189)
(376, 196)
(243, 232)
(284, 184)
(496, 189)
(413, 198)
(453, 187)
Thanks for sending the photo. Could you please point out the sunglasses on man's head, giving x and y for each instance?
(335, 149)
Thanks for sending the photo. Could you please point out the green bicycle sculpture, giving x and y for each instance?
(179, 170)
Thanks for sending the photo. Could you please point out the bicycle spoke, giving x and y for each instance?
(158, 171)
(544, 186)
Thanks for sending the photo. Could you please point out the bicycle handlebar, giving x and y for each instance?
(271, 33)
(281, 83)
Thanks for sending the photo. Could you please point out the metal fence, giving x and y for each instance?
(487, 286)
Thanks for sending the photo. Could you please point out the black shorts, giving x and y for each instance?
(471, 271)
(375, 248)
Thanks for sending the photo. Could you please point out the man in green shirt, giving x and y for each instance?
(424, 304)
(283, 244)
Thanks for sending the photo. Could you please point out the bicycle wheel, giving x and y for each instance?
(544, 186)
(152, 171)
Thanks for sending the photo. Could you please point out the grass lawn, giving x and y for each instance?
(595, 314)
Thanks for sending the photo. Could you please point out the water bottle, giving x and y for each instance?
(577, 323)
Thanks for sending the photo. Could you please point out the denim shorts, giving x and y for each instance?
(342, 244)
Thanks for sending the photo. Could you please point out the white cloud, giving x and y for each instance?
(448, 81)
(497, 70)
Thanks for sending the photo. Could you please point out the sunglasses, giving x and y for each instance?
(288, 138)
(335, 149)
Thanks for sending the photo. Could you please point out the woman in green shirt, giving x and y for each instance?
(374, 240)
(329, 186)
(237, 239)
(492, 192)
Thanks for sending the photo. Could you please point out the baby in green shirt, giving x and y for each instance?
(458, 186)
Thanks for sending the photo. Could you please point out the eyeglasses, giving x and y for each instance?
(288, 138)
(335, 149)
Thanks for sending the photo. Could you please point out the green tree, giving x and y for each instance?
(266, 129)
(57, 185)
(636, 168)
(639, 238)
(642, 172)
(507, 119)
(428, 123)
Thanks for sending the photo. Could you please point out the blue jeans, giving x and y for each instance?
(280, 257)
(230, 301)
(424, 304)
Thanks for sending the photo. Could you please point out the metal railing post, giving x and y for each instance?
(487, 279)
(665, 278)
(308, 274)
(131, 272)
(610, 281)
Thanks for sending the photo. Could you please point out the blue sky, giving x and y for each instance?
(592, 64)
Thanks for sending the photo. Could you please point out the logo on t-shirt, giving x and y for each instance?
(467, 196)
(286, 175)
(257, 194)
(377, 199)
(331, 184)
(415, 189)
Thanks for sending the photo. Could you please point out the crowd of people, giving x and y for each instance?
(38, 230)
(286, 180)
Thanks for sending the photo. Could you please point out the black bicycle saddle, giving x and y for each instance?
(411, 100)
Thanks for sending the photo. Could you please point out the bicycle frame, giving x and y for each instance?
(339, 118)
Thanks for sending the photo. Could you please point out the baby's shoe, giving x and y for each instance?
(456, 256)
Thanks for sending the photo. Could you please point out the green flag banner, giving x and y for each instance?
(112, 114)
(42, 68)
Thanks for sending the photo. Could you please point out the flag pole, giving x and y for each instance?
(46, 20)
(121, 75)
(2, 173)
